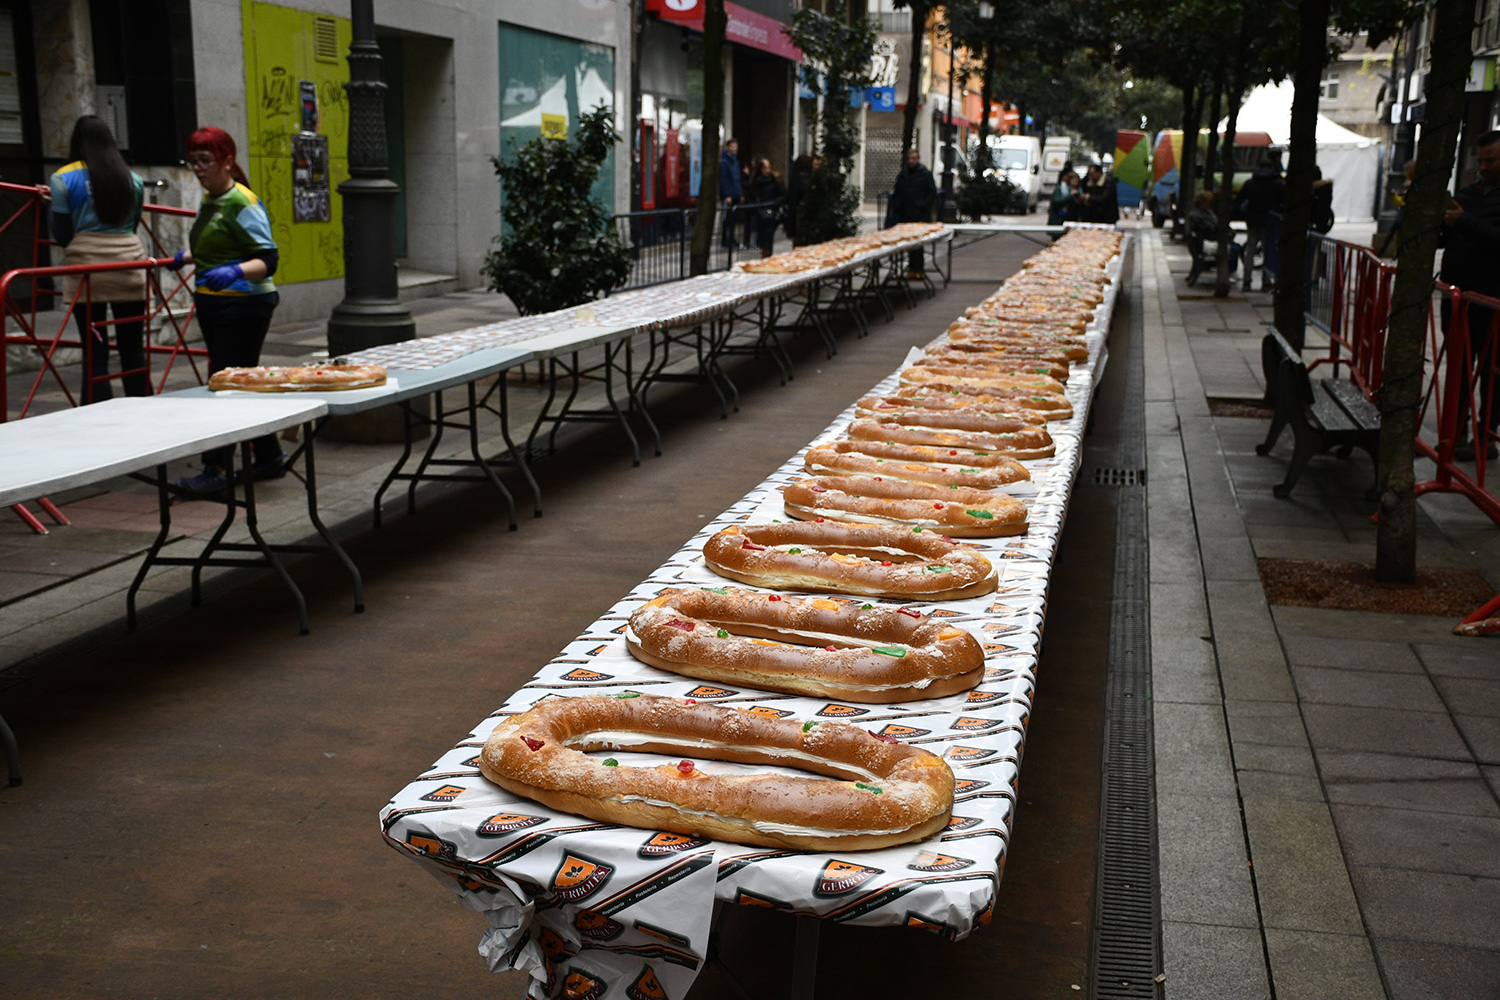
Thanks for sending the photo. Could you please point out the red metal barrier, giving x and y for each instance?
(1349, 298)
(29, 321)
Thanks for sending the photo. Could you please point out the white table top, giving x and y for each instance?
(58, 451)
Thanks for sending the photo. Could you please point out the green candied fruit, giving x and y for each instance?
(971, 471)
(868, 788)
(955, 392)
(1038, 399)
(855, 496)
(866, 607)
(939, 569)
(895, 651)
(794, 551)
(984, 453)
(807, 726)
(611, 762)
(623, 695)
(880, 461)
(722, 634)
(916, 531)
(716, 590)
(983, 515)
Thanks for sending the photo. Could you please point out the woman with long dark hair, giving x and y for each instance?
(765, 190)
(234, 257)
(96, 206)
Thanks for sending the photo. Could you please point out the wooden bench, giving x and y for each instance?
(1324, 414)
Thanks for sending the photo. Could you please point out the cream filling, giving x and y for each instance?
(763, 826)
(621, 740)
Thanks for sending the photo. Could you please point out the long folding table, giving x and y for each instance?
(589, 906)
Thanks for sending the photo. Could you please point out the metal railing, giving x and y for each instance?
(26, 322)
(660, 241)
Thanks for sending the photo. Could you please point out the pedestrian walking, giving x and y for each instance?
(234, 258)
(1100, 200)
(796, 187)
(1064, 198)
(912, 197)
(1261, 195)
(96, 205)
(766, 193)
(731, 191)
(1471, 261)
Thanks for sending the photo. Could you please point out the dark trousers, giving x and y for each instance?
(1484, 343)
(234, 330)
(726, 232)
(765, 233)
(129, 334)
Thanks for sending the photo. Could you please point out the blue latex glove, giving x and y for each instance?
(178, 261)
(219, 278)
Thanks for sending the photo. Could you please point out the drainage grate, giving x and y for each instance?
(1119, 477)
(1126, 946)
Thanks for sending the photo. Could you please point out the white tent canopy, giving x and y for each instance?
(1350, 160)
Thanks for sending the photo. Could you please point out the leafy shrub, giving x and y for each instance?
(979, 196)
(559, 247)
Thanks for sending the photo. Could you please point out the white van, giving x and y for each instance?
(1056, 151)
(1018, 158)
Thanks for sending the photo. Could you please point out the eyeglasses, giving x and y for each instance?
(201, 162)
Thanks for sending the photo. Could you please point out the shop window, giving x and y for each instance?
(143, 67)
(546, 83)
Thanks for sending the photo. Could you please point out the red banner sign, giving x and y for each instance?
(677, 10)
(745, 27)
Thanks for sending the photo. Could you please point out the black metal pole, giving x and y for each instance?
(950, 157)
(371, 313)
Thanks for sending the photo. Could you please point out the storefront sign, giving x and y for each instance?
(881, 98)
(310, 196)
(1481, 75)
(745, 27)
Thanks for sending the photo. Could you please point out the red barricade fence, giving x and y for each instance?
(23, 321)
(1349, 298)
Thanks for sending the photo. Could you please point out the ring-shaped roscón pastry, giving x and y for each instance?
(1050, 405)
(871, 560)
(1028, 442)
(862, 458)
(996, 355)
(813, 646)
(984, 368)
(992, 384)
(875, 794)
(951, 510)
(882, 406)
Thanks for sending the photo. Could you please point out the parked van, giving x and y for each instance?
(1251, 149)
(1056, 151)
(1018, 159)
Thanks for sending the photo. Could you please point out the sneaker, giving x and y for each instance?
(916, 275)
(273, 468)
(208, 483)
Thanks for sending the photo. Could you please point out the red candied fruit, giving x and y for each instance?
(685, 626)
(753, 546)
(937, 506)
(774, 597)
(885, 562)
(952, 452)
(882, 737)
(819, 520)
(690, 701)
(820, 489)
(831, 649)
(908, 611)
(878, 479)
(685, 766)
(532, 744)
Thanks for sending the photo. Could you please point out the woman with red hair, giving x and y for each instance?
(234, 256)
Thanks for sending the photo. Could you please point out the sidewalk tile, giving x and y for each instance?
(1204, 962)
(1205, 874)
(1275, 723)
(1435, 907)
(1366, 689)
(1272, 785)
(1251, 666)
(1470, 696)
(1384, 730)
(1475, 658)
(1427, 841)
(1231, 559)
(1192, 750)
(1178, 608)
(1300, 875)
(1359, 654)
(1311, 966)
(1417, 971)
(1183, 669)
(1297, 761)
(1483, 734)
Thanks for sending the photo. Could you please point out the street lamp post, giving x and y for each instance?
(950, 154)
(371, 313)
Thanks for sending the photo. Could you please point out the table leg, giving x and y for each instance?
(266, 551)
(12, 753)
(609, 396)
(408, 417)
(515, 453)
(484, 465)
(218, 535)
(311, 482)
(567, 403)
(439, 423)
(805, 958)
(638, 405)
(164, 512)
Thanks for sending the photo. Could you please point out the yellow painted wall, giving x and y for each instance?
(279, 52)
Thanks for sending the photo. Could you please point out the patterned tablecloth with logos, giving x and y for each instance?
(666, 306)
(598, 910)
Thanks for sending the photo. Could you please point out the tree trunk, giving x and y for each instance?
(1226, 184)
(982, 158)
(914, 75)
(1187, 170)
(633, 129)
(1211, 153)
(1422, 219)
(1296, 209)
(714, 22)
